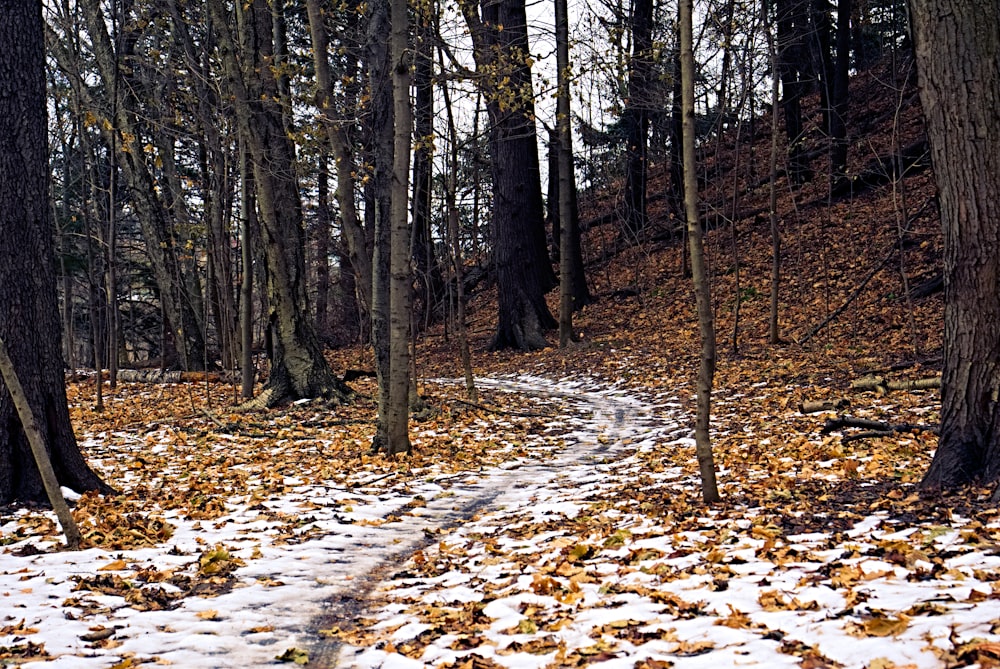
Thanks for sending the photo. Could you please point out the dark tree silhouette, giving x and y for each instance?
(29, 314)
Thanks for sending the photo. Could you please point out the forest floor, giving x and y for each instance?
(558, 521)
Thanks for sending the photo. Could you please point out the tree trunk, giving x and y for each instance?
(29, 319)
(773, 333)
(841, 94)
(298, 368)
(792, 26)
(455, 242)
(565, 165)
(401, 280)
(427, 269)
(524, 272)
(636, 117)
(957, 48)
(703, 297)
(381, 141)
(322, 235)
(248, 223)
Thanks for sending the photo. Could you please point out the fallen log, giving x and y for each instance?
(879, 383)
(815, 406)
(171, 376)
(874, 428)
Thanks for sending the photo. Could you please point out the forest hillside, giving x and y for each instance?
(860, 287)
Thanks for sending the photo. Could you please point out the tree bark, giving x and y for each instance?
(565, 167)
(298, 368)
(401, 280)
(957, 48)
(29, 319)
(524, 272)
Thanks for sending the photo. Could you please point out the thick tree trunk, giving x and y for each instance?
(298, 368)
(29, 319)
(958, 48)
(524, 272)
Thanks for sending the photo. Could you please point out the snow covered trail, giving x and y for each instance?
(271, 571)
(598, 426)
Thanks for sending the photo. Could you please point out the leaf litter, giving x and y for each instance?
(571, 534)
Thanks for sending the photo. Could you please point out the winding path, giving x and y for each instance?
(600, 427)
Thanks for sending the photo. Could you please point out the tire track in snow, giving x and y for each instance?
(600, 429)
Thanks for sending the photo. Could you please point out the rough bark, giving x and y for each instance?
(29, 319)
(524, 272)
(298, 368)
(565, 167)
(380, 149)
(401, 279)
(957, 48)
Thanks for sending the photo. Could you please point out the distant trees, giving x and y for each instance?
(958, 51)
(635, 117)
(29, 314)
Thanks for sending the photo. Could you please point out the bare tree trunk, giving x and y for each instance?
(456, 250)
(520, 254)
(957, 49)
(565, 153)
(298, 367)
(706, 323)
(772, 330)
(248, 213)
(399, 261)
(29, 319)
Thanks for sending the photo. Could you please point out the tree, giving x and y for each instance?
(793, 58)
(699, 274)
(524, 272)
(401, 280)
(635, 120)
(565, 169)
(298, 368)
(958, 50)
(29, 314)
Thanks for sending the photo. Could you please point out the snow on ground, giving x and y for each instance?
(583, 549)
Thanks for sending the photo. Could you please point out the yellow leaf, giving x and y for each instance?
(880, 626)
(209, 614)
(117, 565)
